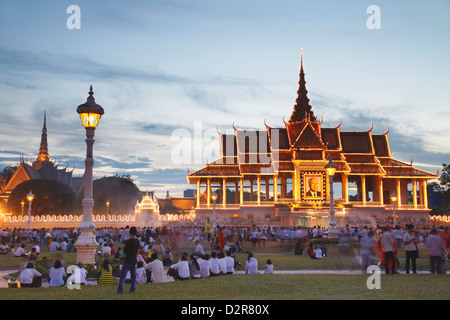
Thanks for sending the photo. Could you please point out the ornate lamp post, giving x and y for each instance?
(21, 222)
(394, 202)
(90, 113)
(107, 213)
(214, 198)
(30, 198)
(330, 167)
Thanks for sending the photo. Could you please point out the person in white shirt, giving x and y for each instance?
(205, 266)
(63, 245)
(79, 275)
(230, 262)
(57, 275)
(30, 277)
(318, 252)
(215, 265)
(156, 268)
(251, 265)
(53, 246)
(222, 263)
(182, 269)
(269, 267)
(20, 251)
(106, 251)
(198, 249)
(412, 252)
(141, 274)
(38, 249)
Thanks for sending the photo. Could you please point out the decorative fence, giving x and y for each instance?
(69, 221)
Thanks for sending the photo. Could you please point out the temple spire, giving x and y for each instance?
(43, 148)
(302, 108)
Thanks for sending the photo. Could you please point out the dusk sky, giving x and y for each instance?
(168, 69)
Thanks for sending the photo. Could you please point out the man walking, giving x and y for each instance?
(131, 248)
(437, 248)
(388, 243)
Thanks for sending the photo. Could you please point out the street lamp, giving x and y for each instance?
(30, 197)
(330, 167)
(394, 202)
(21, 222)
(90, 113)
(107, 213)
(214, 198)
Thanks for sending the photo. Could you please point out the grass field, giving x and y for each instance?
(258, 287)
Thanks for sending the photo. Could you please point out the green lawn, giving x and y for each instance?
(258, 287)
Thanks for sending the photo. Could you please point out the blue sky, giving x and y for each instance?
(162, 67)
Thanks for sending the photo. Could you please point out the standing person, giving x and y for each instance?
(367, 250)
(221, 239)
(412, 252)
(388, 243)
(437, 248)
(131, 248)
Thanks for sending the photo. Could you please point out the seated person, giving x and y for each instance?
(20, 252)
(3, 248)
(30, 277)
(53, 246)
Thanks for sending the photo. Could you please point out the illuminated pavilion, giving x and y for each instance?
(263, 176)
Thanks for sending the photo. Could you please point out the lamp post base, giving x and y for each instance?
(86, 245)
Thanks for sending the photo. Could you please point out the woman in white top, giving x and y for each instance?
(182, 268)
(251, 265)
(269, 267)
(57, 275)
(141, 274)
(30, 277)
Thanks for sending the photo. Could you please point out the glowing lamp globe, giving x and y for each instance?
(30, 196)
(90, 112)
(394, 197)
(214, 196)
(330, 167)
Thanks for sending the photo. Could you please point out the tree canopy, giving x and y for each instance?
(51, 197)
(121, 192)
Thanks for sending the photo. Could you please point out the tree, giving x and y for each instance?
(50, 197)
(444, 180)
(121, 192)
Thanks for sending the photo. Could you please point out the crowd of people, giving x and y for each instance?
(147, 253)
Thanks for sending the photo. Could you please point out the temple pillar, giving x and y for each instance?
(380, 190)
(224, 192)
(267, 189)
(241, 190)
(275, 188)
(414, 193)
(198, 193)
(363, 189)
(345, 187)
(399, 193)
(425, 195)
(251, 190)
(208, 192)
(236, 194)
(258, 181)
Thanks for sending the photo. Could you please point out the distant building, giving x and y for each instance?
(41, 168)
